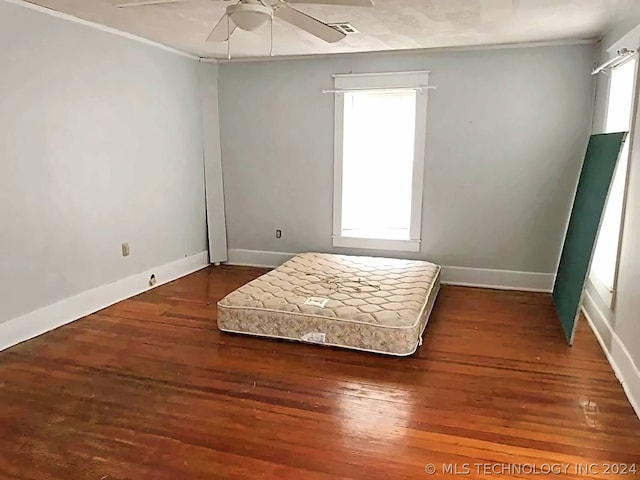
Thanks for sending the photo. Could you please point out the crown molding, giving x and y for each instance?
(98, 26)
(415, 51)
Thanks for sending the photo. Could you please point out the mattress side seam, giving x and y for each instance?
(279, 337)
(434, 281)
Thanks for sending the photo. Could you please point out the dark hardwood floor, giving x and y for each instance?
(149, 389)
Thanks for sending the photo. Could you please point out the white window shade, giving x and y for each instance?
(378, 155)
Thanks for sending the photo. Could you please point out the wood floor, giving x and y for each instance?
(149, 389)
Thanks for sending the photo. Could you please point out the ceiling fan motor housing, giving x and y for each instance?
(249, 16)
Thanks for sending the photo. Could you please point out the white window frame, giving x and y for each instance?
(606, 294)
(419, 81)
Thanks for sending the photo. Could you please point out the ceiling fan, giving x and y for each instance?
(252, 14)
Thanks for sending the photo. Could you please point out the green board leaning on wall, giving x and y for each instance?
(596, 176)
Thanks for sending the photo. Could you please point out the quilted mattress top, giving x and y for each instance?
(380, 291)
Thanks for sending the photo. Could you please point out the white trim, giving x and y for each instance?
(368, 77)
(625, 195)
(417, 88)
(212, 159)
(103, 28)
(605, 293)
(337, 164)
(385, 80)
(257, 258)
(469, 277)
(419, 154)
(616, 352)
(498, 279)
(408, 51)
(381, 80)
(377, 244)
(66, 311)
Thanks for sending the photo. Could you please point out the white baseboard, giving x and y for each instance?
(498, 279)
(619, 357)
(470, 277)
(66, 311)
(257, 258)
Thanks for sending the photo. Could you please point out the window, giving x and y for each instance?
(379, 160)
(605, 258)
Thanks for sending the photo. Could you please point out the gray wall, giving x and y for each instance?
(100, 143)
(506, 134)
(624, 321)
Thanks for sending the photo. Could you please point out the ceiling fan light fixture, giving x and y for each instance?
(249, 16)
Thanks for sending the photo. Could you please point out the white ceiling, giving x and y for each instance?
(390, 25)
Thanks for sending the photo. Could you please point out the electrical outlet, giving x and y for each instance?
(125, 250)
(278, 233)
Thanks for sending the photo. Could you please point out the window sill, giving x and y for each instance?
(604, 292)
(377, 244)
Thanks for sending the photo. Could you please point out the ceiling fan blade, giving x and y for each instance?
(222, 30)
(309, 24)
(344, 3)
(144, 3)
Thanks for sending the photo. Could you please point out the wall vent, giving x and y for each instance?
(344, 27)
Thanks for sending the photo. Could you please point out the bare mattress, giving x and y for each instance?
(375, 304)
